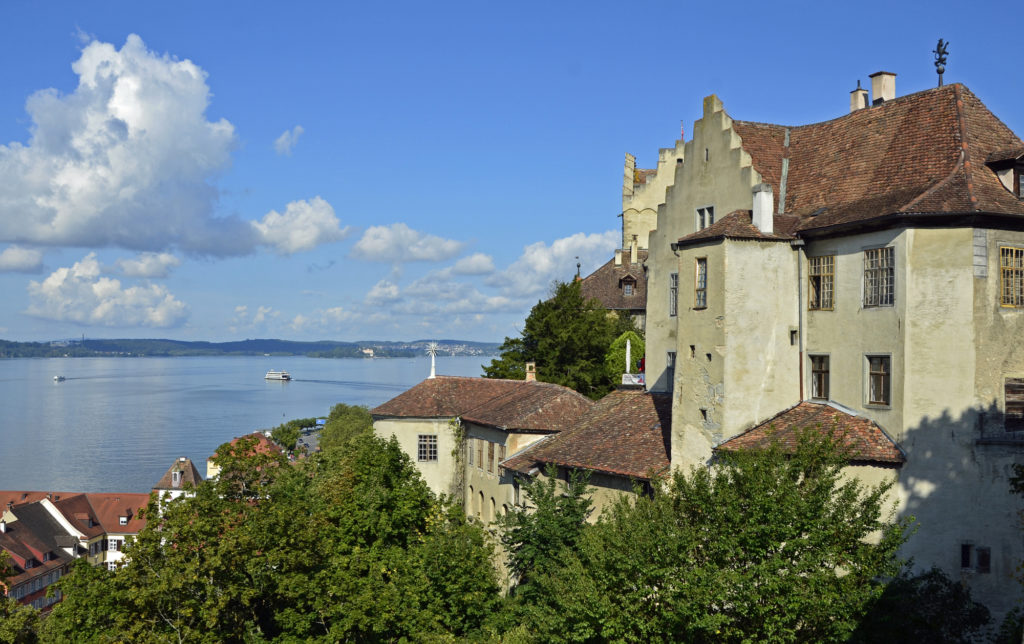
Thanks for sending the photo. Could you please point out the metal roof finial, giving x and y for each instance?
(941, 51)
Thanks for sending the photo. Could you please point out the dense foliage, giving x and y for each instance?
(287, 434)
(568, 337)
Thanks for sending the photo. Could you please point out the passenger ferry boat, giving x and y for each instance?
(59, 378)
(277, 375)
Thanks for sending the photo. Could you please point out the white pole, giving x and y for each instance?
(628, 350)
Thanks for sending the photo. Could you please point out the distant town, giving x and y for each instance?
(89, 348)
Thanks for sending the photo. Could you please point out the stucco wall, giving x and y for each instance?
(437, 474)
(640, 203)
(715, 172)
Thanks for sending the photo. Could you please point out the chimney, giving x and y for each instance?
(3, 526)
(763, 217)
(858, 98)
(883, 87)
(531, 371)
(618, 257)
(633, 258)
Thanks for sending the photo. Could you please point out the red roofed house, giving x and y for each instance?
(495, 418)
(866, 271)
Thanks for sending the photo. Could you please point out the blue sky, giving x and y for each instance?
(396, 171)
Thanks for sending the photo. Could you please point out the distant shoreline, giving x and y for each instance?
(158, 348)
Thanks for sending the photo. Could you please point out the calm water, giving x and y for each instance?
(117, 424)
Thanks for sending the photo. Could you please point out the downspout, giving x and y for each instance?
(798, 245)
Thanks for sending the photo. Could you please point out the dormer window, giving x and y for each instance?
(628, 286)
(123, 520)
(176, 478)
(1009, 168)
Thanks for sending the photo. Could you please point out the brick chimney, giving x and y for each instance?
(858, 98)
(763, 218)
(531, 371)
(883, 87)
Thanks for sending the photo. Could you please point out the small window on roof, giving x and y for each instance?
(123, 520)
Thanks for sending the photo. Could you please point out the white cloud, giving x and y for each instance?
(541, 264)
(79, 294)
(383, 291)
(321, 319)
(475, 264)
(288, 140)
(127, 159)
(399, 243)
(148, 265)
(303, 226)
(15, 259)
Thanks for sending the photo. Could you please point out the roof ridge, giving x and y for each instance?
(965, 145)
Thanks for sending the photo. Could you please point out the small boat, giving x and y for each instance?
(59, 378)
(277, 375)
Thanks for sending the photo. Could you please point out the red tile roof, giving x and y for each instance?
(923, 153)
(18, 497)
(866, 441)
(737, 225)
(627, 433)
(605, 284)
(507, 404)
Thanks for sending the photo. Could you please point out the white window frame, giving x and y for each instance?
(700, 283)
(879, 277)
(870, 397)
(816, 394)
(704, 217)
(673, 294)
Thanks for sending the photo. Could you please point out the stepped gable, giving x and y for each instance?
(626, 433)
(507, 404)
(605, 284)
(923, 153)
(188, 474)
(866, 441)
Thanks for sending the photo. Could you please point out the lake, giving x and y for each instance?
(117, 424)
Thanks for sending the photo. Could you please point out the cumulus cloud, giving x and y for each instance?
(321, 319)
(148, 265)
(398, 243)
(80, 294)
(303, 226)
(540, 264)
(15, 259)
(288, 140)
(126, 159)
(383, 291)
(475, 264)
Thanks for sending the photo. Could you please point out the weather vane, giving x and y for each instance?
(941, 51)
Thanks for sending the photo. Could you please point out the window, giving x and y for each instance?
(501, 453)
(175, 479)
(1011, 276)
(670, 369)
(879, 380)
(879, 275)
(123, 520)
(112, 566)
(984, 556)
(113, 545)
(627, 288)
(1013, 395)
(819, 377)
(490, 457)
(673, 292)
(426, 448)
(820, 274)
(700, 294)
(705, 217)
(470, 450)
(480, 453)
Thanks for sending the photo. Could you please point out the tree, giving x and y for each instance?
(615, 359)
(553, 520)
(567, 336)
(18, 624)
(287, 434)
(765, 546)
(345, 423)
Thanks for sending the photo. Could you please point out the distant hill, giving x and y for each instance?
(257, 347)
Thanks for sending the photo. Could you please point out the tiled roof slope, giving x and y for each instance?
(509, 404)
(737, 225)
(866, 441)
(627, 433)
(189, 474)
(18, 497)
(34, 534)
(605, 284)
(920, 153)
(109, 508)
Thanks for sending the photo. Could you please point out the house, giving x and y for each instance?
(262, 444)
(867, 271)
(44, 535)
(620, 284)
(458, 430)
(178, 479)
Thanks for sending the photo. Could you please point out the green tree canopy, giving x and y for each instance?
(764, 546)
(615, 359)
(568, 337)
